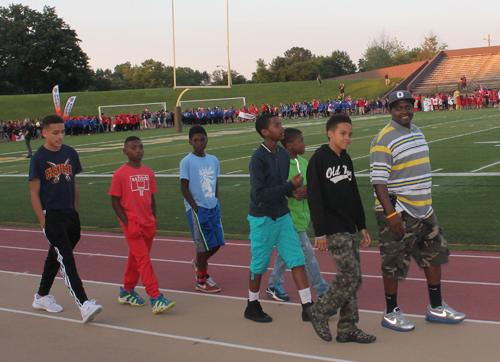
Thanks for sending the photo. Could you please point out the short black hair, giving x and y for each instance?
(130, 139)
(263, 122)
(335, 120)
(195, 130)
(51, 119)
(290, 135)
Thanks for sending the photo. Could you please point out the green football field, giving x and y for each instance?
(465, 158)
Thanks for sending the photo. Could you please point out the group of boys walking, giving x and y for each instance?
(286, 193)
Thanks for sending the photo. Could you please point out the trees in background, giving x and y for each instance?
(298, 64)
(384, 51)
(219, 77)
(39, 50)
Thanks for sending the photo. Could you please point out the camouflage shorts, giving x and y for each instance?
(423, 241)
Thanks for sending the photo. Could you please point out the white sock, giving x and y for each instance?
(305, 295)
(255, 296)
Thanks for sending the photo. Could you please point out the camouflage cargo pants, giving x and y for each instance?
(342, 291)
(423, 241)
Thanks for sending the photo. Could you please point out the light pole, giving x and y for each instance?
(488, 39)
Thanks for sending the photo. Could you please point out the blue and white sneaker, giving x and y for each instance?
(397, 321)
(443, 314)
(278, 293)
(131, 298)
(161, 304)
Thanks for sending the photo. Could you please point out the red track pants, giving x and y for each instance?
(140, 240)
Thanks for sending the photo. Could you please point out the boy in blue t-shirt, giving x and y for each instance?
(54, 196)
(200, 189)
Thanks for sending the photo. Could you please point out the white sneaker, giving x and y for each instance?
(89, 310)
(443, 314)
(47, 303)
(397, 321)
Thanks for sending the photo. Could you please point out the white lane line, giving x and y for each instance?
(247, 244)
(436, 170)
(226, 297)
(182, 338)
(482, 168)
(108, 174)
(241, 266)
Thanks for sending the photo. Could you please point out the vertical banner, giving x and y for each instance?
(69, 107)
(57, 100)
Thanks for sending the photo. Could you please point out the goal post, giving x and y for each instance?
(236, 102)
(131, 108)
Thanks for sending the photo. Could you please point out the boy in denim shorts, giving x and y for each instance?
(200, 188)
(400, 172)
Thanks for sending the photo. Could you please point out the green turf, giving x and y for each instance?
(467, 207)
(38, 105)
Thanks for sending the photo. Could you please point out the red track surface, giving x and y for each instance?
(471, 282)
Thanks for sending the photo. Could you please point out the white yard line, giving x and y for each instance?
(482, 168)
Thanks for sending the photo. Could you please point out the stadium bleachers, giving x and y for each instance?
(479, 69)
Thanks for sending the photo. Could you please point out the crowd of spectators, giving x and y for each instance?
(480, 98)
(87, 125)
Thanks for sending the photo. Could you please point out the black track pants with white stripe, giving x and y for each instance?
(63, 233)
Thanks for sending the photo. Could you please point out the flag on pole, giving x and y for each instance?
(69, 107)
(57, 100)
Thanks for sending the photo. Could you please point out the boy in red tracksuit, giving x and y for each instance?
(132, 189)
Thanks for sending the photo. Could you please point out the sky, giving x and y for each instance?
(113, 32)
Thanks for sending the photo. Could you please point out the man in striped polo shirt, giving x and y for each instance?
(400, 172)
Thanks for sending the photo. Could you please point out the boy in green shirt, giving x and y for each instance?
(299, 209)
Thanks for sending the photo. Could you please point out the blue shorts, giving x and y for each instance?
(206, 228)
(265, 234)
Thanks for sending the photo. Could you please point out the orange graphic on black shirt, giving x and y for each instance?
(55, 171)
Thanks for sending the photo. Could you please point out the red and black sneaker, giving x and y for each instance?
(207, 285)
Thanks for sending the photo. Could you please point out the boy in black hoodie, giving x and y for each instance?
(336, 213)
(269, 216)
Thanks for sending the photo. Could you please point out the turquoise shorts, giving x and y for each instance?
(265, 234)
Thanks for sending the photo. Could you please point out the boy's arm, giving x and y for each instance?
(115, 202)
(35, 200)
(187, 194)
(262, 191)
(153, 205)
(217, 189)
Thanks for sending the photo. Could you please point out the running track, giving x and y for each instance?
(471, 281)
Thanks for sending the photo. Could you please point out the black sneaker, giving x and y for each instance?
(357, 336)
(321, 328)
(255, 313)
(305, 316)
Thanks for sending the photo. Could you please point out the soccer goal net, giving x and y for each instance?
(131, 108)
(236, 103)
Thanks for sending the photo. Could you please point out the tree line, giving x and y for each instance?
(39, 50)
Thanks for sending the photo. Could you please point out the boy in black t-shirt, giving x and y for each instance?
(54, 196)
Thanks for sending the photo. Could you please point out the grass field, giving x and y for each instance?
(38, 105)
(465, 142)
